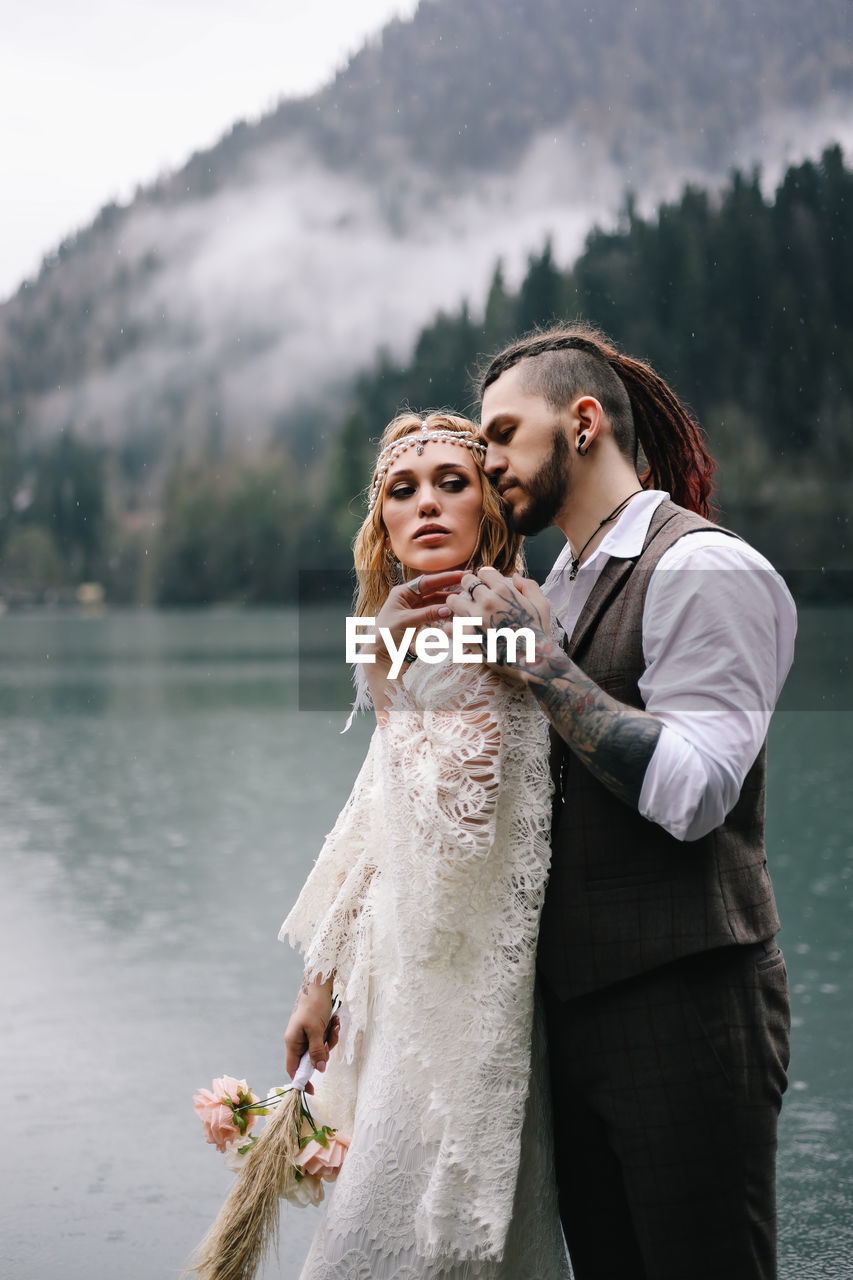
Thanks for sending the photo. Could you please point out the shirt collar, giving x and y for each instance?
(627, 536)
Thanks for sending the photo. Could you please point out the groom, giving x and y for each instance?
(666, 994)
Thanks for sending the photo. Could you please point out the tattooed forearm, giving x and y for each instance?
(613, 740)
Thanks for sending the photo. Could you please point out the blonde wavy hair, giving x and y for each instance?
(376, 569)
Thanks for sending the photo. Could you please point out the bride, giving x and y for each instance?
(422, 911)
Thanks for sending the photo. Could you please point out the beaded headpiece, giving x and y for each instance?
(392, 451)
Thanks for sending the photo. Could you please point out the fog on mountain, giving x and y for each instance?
(217, 354)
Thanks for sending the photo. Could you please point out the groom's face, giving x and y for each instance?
(527, 456)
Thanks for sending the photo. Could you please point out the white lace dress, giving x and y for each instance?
(425, 902)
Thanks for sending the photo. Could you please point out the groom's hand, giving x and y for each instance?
(512, 603)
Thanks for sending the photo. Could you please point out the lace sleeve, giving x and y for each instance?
(326, 918)
(439, 769)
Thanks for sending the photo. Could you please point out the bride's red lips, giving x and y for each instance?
(431, 528)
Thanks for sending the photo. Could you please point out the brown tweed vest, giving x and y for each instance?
(624, 896)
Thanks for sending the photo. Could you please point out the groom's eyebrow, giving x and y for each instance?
(497, 424)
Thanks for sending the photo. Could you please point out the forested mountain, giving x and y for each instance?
(744, 303)
(211, 332)
(468, 86)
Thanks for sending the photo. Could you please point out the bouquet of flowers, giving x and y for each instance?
(291, 1158)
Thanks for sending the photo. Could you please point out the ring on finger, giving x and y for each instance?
(472, 587)
(415, 585)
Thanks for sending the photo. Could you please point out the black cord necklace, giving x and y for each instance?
(576, 560)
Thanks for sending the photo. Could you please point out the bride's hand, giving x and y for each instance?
(418, 603)
(307, 1027)
(408, 607)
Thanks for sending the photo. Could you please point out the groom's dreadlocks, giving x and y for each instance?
(568, 361)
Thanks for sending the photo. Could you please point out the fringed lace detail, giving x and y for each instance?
(363, 700)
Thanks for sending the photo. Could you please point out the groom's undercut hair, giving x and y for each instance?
(567, 361)
(561, 376)
(561, 364)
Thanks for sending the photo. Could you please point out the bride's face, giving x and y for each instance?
(432, 507)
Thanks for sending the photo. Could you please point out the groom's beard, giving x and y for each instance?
(546, 491)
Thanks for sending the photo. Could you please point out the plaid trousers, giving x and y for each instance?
(666, 1093)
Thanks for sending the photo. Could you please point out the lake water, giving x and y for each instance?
(161, 799)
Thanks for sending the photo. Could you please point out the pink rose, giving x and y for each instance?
(324, 1161)
(217, 1110)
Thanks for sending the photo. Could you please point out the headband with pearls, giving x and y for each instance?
(392, 451)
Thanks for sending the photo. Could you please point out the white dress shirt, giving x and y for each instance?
(718, 641)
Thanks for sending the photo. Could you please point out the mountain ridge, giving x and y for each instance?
(233, 302)
(741, 302)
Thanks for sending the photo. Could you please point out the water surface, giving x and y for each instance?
(161, 799)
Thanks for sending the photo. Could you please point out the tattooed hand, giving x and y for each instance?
(613, 740)
(505, 604)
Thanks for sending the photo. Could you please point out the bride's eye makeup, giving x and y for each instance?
(401, 490)
(454, 482)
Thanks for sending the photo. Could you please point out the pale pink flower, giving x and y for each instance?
(305, 1192)
(237, 1152)
(216, 1110)
(324, 1162)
